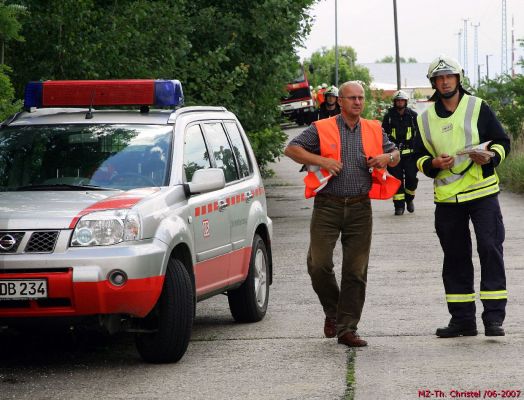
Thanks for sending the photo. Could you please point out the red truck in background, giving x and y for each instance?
(299, 105)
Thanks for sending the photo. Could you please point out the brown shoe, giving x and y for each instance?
(352, 339)
(330, 327)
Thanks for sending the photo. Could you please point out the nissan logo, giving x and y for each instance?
(7, 242)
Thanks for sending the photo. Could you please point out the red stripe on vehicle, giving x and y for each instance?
(120, 201)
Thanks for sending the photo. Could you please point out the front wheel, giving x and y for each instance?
(249, 302)
(171, 321)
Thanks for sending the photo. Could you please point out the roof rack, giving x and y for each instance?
(193, 109)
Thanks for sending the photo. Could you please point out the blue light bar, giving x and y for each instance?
(33, 94)
(161, 93)
(168, 93)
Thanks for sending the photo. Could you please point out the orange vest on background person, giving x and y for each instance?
(383, 185)
(320, 97)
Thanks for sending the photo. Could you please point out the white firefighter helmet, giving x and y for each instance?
(331, 91)
(400, 95)
(324, 85)
(444, 65)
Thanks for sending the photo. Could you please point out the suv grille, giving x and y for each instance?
(42, 242)
(39, 242)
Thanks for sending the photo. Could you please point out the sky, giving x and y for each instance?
(426, 29)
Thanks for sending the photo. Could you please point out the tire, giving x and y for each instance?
(171, 319)
(249, 302)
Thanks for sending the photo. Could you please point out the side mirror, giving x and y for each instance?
(205, 180)
(311, 69)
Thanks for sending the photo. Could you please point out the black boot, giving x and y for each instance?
(494, 329)
(399, 210)
(457, 329)
(410, 206)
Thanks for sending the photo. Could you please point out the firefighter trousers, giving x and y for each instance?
(330, 220)
(406, 171)
(452, 227)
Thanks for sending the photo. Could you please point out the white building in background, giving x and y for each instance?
(412, 78)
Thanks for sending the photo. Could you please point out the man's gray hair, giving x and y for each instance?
(342, 87)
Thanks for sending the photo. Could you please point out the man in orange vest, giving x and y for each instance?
(347, 158)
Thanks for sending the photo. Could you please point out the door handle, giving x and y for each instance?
(249, 196)
(222, 205)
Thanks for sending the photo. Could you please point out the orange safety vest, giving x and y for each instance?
(383, 185)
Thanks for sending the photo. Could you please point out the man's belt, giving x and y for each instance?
(344, 200)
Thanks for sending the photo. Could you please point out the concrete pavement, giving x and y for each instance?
(285, 356)
(405, 301)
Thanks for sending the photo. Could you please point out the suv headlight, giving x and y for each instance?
(104, 228)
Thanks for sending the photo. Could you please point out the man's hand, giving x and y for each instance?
(333, 166)
(444, 161)
(381, 161)
(480, 159)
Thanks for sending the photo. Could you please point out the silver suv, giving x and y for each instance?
(127, 218)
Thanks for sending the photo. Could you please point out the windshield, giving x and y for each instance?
(65, 156)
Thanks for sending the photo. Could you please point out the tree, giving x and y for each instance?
(10, 26)
(9, 30)
(505, 95)
(323, 63)
(233, 53)
(391, 60)
(8, 105)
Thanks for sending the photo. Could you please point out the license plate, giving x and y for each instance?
(22, 289)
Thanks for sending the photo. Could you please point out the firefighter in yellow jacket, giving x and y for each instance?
(466, 188)
(347, 158)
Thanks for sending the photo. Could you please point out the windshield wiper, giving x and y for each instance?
(61, 186)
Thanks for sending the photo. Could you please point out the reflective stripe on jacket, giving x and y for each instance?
(464, 181)
(383, 185)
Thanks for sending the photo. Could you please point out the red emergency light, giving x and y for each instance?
(103, 93)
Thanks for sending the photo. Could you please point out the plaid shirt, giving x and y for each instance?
(354, 179)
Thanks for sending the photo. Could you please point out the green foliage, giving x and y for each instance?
(233, 53)
(511, 171)
(323, 63)
(505, 95)
(7, 94)
(267, 144)
(391, 60)
(10, 25)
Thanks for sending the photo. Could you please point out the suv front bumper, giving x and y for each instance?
(77, 280)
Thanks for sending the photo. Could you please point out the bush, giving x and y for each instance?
(511, 171)
(267, 145)
(7, 94)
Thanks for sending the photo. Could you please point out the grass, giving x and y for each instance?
(511, 171)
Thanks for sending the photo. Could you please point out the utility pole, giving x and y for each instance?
(459, 34)
(397, 55)
(504, 50)
(476, 53)
(336, 45)
(465, 64)
(487, 65)
(512, 47)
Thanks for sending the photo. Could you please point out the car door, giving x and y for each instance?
(245, 191)
(210, 219)
(225, 156)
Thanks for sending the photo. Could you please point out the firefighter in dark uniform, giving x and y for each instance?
(466, 188)
(400, 123)
(330, 106)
